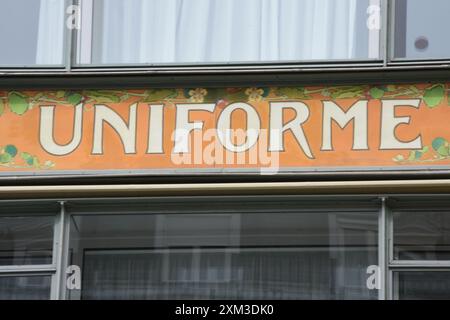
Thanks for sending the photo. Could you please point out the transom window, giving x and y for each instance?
(79, 34)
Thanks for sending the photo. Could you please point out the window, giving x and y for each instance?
(420, 260)
(32, 33)
(278, 249)
(421, 29)
(422, 235)
(26, 240)
(27, 260)
(422, 285)
(115, 32)
(92, 34)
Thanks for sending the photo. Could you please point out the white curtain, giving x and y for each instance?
(271, 274)
(156, 31)
(50, 41)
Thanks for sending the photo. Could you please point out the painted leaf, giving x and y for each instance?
(159, 94)
(11, 150)
(293, 93)
(434, 95)
(236, 95)
(60, 94)
(441, 146)
(2, 106)
(376, 93)
(74, 98)
(344, 94)
(27, 157)
(101, 96)
(18, 103)
(5, 158)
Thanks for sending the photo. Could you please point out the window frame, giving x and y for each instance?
(392, 60)
(386, 60)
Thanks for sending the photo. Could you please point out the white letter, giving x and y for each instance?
(389, 122)
(357, 112)
(224, 127)
(373, 281)
(155, 129)
(277, 128)
(183, 126)
(46, 131)
(74, 280)
(126, 133)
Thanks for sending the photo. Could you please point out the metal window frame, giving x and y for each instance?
(52, 269)
(386, 60)
(398, 265)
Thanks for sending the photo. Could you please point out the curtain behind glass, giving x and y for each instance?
(244, 274)
(177, 31)
(50, 44)
(32, 32)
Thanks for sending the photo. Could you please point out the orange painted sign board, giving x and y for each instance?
(267, 129)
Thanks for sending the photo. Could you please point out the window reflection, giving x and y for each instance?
(295, 255)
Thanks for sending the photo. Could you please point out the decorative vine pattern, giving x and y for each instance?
(11, 157)
(19, 102)
(439, 150)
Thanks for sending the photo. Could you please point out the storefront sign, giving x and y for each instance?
(224, 129)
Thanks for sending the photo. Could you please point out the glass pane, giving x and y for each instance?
(430, 285)
(421, 29)
(217, 31)
(282, 255)
(422, 235)
(32, 32)
(26, 240)
(25, 288)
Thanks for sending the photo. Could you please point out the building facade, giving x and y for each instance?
(206, 149)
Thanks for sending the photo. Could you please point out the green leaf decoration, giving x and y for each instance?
(391, 88)
(27, 157)
(347, 92)
(293, 93)
(448, 97)
(376, 93)
(434, 95)
(60, 94)
(18, 103)
(5, 158)
(398, 158)
(11, 150)
(441, 146)
(417, 154)
(101, 96)
(74, 98)
(2, 106)
(234, 94)
(266, 92)
(159, 94)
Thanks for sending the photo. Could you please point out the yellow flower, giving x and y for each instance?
(197, 95)
(254, 94)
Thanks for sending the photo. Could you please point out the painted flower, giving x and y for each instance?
(197, 95)
(254, 94)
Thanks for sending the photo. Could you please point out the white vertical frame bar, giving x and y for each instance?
(57, 252)
(385, 31)
(60, 252)
(68, 38)
(382, 254)
(389, 251)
